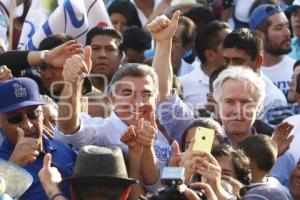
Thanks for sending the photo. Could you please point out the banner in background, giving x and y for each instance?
(72, 17)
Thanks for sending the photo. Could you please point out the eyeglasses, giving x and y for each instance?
(16, 119)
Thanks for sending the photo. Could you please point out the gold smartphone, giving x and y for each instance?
(204, 138)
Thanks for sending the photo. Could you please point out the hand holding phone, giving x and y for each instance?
(204, 138)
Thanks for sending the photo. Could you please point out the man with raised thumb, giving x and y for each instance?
(23, 141)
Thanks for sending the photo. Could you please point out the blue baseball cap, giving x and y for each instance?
(294, 6)
(261, 14)
(18, 93)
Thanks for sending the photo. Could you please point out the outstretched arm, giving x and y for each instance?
(162, 30)
(75, 69)
(20, 60)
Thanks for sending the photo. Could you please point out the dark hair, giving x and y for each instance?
(206, 123)
(201, 16)
(134, 70)
(189, 33)
(53, 41)
(240, 161)
(127, 9)
(88, 191)
(209, 38)
(104, 31)
(214, 75)
(246, 40)
(296, 64)
(261, 149)
(136, 38)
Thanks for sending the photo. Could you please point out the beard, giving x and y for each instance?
(275, 49)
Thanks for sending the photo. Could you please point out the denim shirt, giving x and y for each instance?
(63, 158)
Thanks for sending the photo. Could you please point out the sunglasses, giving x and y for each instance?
(17, 119)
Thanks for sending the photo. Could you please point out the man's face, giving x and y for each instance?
(134, 98)
(295, 182)
(178, 49)
(292, 91)
(295, 20)
(237, 109)
(52, 79)
(50, 116)
(234, 56)
(105, 55)
(218, 59)
(278, 37)
(29, 119)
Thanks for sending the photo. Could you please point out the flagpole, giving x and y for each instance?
(11, 24)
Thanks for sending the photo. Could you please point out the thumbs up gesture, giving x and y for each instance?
(26, 149)
(49, 176)
(77, 67)
(163, 28)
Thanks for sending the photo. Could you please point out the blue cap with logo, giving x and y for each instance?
(18, 93)
(261, 14)
(294, 6)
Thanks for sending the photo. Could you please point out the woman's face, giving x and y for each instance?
(119, 21)
(227, 167)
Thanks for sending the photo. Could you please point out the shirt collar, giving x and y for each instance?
(117, 121)
(228, 141)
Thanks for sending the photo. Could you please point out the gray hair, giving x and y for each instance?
(49, 101)
(244, 75)
(135, 70)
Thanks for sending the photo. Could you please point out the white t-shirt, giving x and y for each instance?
(185, 68)
(281, 73)
(141, 15)
(195, 87)
(274, 97)
(295, 145)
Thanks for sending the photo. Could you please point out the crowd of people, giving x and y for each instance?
(107, 119)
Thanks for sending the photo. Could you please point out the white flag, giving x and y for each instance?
(73, 17)
(38, 13)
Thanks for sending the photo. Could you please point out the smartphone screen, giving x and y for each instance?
(204, 138)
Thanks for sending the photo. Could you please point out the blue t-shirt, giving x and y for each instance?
(63, 158)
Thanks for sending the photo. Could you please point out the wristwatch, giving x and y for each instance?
(43, 57)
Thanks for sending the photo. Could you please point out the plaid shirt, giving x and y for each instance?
(277, 115)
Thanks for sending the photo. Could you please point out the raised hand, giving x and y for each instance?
(162, 28)
(281, 137)
(26, 149)
(49, 176)
(57, 57)
(77, 67)
(5, 73)
(203, 187)
(176, 155)
(130, 138)
(147, 131)
(48, 131)
(209, 169)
